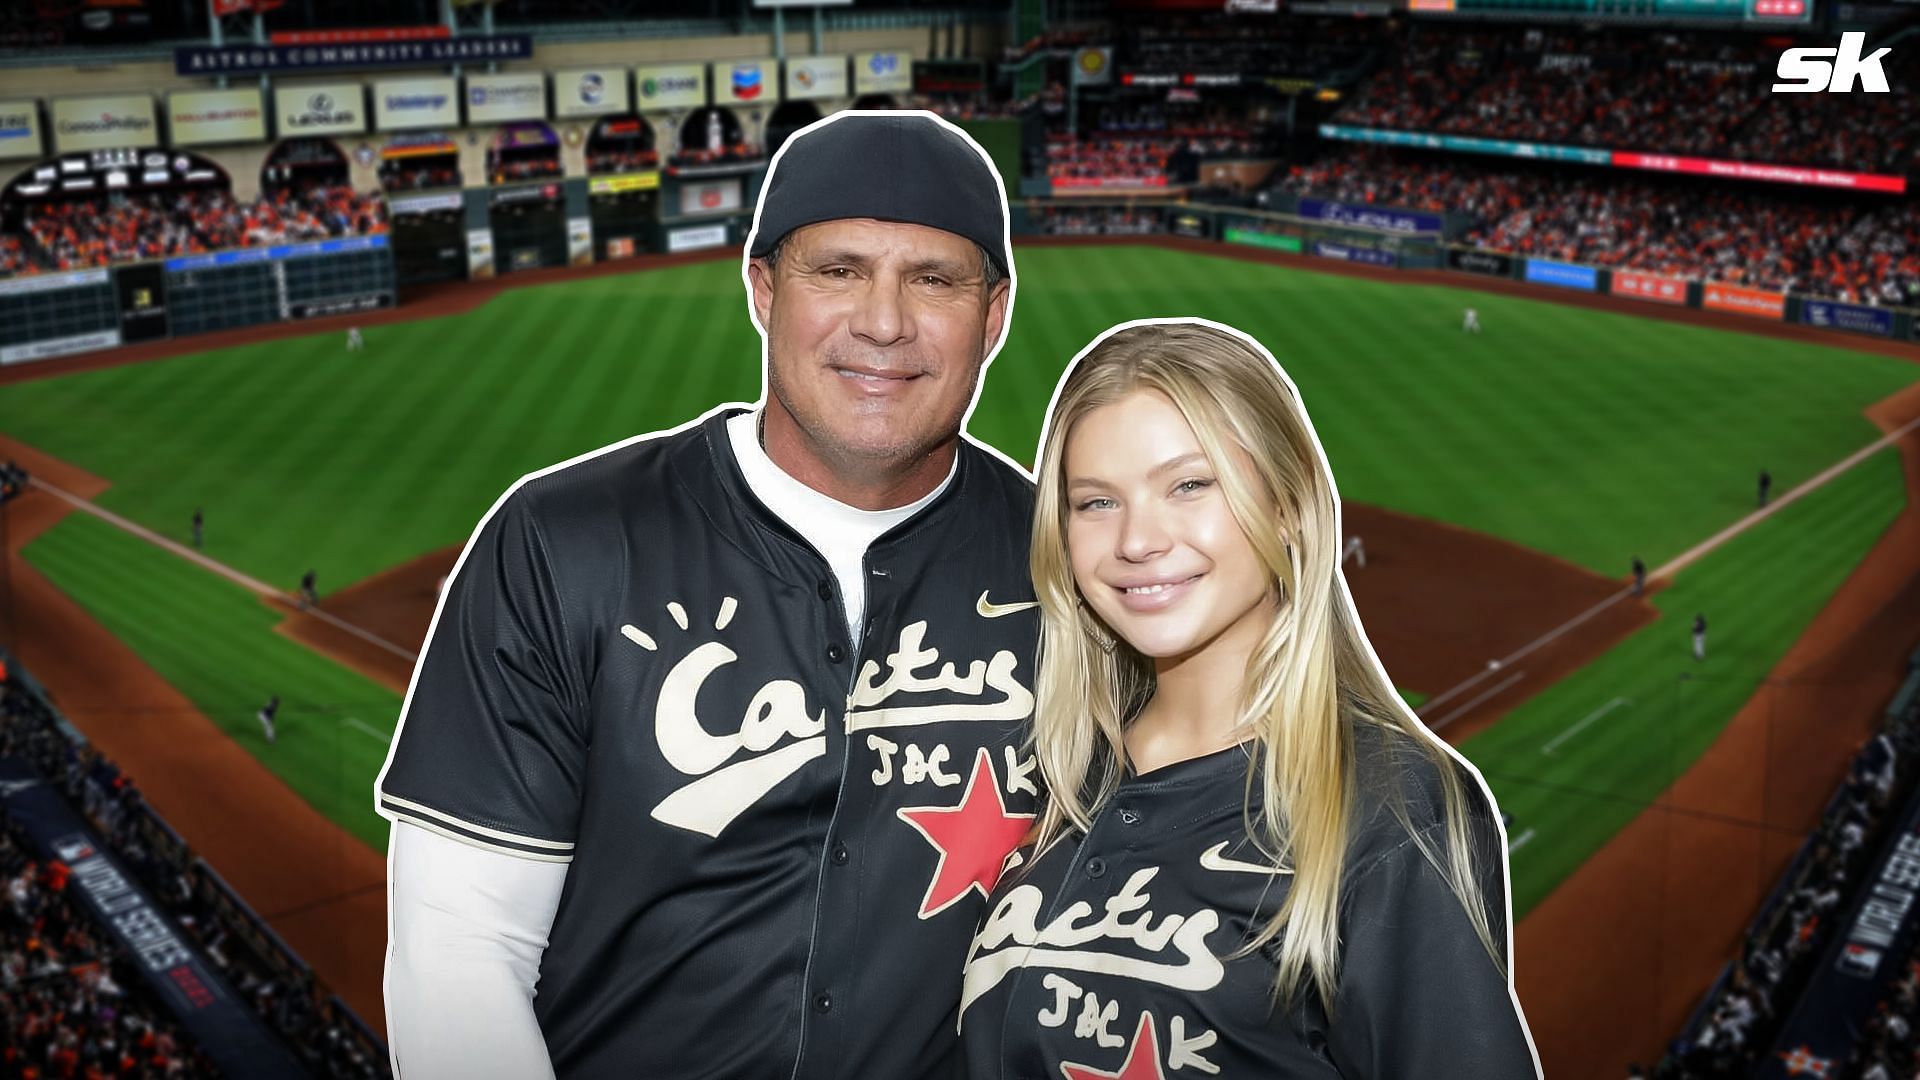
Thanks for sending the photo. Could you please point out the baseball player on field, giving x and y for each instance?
(715, 748)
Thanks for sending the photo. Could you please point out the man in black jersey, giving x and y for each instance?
(717, 733)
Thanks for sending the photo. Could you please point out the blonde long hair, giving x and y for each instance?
(1310, 681)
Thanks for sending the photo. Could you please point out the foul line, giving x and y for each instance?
(1685, 560)
(1469, 705)
(1520, 841)
(1582, 725)
(1745, 523)
(225, 571)
(382, 737)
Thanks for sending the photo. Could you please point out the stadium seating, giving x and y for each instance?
(62, 984)
(1698, 94)
(1850, 250)
(1097, 221)
(71, 1003)
(506, 172)
(78, 235)
(601, 162)
(1737, 1022)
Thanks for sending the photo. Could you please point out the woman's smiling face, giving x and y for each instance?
(1155, 550)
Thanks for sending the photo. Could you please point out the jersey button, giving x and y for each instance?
(823, 1002)
(1096, 867)
(840, 854)
(1128, 817)
(835, 653)
(826, 590)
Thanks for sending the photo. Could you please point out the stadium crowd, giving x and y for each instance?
(1887, 1049)
(1859, 251)
(1291, 46)
(740, 153)
(1740, 1020)
(72, 1004)
(1108, 161)
(1699, 94)
(525, 168)
(403, 174)
(600, 162)
(129, 228)
(1096, 221)
(236, 945)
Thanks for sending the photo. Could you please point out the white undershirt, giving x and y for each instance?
(839, 532)
(469, 925)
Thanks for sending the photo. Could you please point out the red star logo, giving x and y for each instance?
(1143, 1059)
(973, 838)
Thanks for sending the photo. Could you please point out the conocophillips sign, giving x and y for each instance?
(671, 86)
(198, 117)
(104, 123)
(590, 92)
(332, 109)
(408, 104)
(19, 130)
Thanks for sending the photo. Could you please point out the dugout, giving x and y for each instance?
(623, 186)
(429, 237)
(302, 163)
(529, 223)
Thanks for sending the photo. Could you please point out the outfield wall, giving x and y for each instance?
(1417, 240)
(47, 315)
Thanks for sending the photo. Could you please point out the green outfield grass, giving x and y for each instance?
(1581, 760)
(1583, 434)
(214, 641)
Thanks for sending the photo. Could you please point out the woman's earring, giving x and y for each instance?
(1098, 633)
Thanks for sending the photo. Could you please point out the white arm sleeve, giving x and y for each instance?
(466, 929)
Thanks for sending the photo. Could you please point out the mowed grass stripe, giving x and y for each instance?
(1758, 592)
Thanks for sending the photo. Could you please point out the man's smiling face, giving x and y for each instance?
(876, 333)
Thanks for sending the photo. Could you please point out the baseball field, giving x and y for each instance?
(1501, 481)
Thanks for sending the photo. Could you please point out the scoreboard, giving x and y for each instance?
(1768, 12)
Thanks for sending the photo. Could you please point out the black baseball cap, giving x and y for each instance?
(893, 166)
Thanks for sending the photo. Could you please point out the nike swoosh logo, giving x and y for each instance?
(1214, 858)
(993, 611)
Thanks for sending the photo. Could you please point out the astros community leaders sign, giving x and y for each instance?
(261, 59)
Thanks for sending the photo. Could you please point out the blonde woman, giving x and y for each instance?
(1253, 861)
